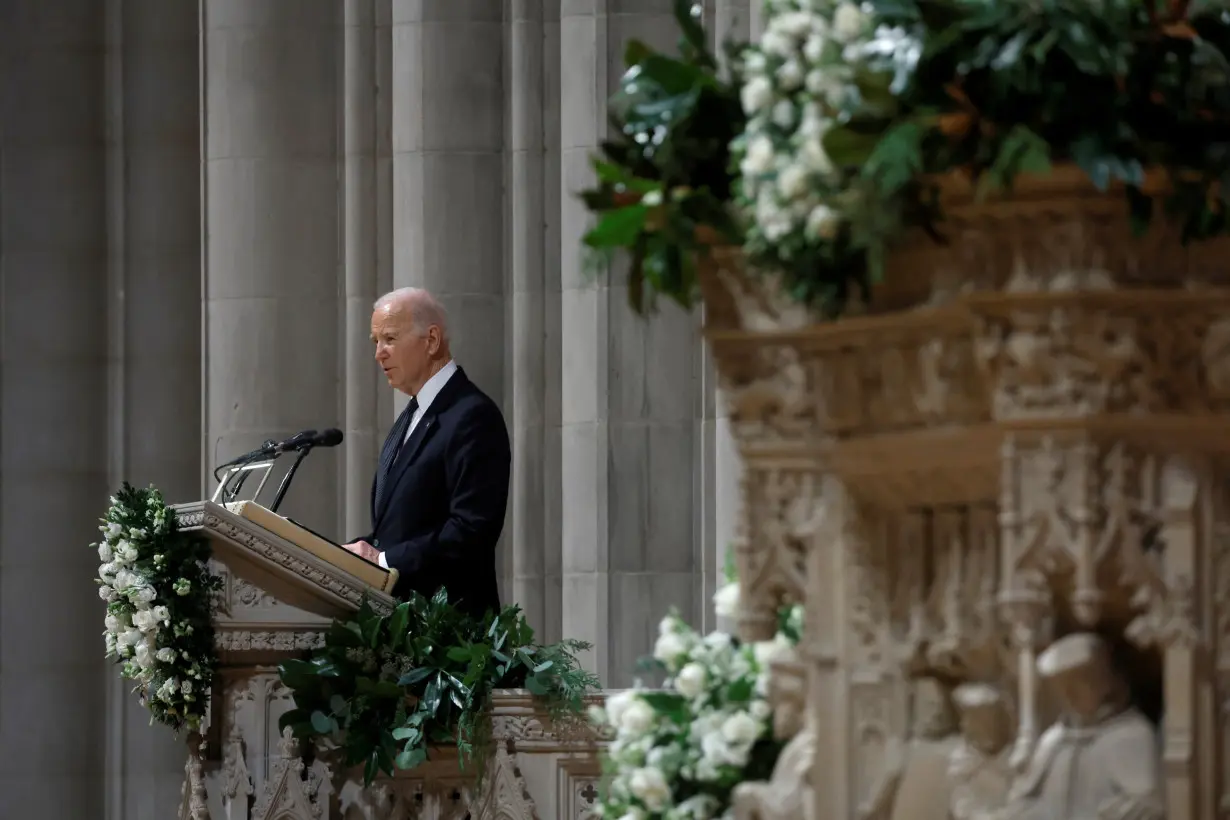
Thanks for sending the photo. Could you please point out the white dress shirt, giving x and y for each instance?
(426, 395)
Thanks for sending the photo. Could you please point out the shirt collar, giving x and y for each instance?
(434, 385)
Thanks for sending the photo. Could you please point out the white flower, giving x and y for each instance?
(144, 620)
(186, 687)
(760, 710)
(741, 729)
(652, 198)
(790, 75)
(125, 552)
(143, 596)
(162, 614)
(697, 807)
(113, 623)
(104, 552)
(759, 159)
(113, 530)
(756, 95)
(143, 656)
(776, 43)
(129, 637)
(617, 703)
(792, 181)
(823, 222)
(813, 49)
(814, 155)
(650, 787)
(783, 114)
(166, 654)
(848, 22)
(669, 648)
(637, 719)
(726, 601)
(690, 682)
(106, 593)
(109, 639)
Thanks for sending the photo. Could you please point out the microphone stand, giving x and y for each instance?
(290, 474)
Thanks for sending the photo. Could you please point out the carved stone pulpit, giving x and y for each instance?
(276, 601)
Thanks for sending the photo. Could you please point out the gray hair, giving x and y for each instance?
(423, 308)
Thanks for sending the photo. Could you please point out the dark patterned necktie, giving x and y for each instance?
(392, 446)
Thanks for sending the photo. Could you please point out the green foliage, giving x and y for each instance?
(386, 687)
(1005, 89)
(664, 177)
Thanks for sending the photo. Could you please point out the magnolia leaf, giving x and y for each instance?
(535, 685)
(414, 676)
(410, 757)
(406, 733)
(322, 723)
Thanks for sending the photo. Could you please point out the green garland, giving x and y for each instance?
(157, 586)
(385, 688)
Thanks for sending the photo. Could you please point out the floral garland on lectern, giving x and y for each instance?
(158, 589)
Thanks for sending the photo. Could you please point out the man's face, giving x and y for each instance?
(403, 354)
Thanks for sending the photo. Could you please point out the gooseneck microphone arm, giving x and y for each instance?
(328, 438)
(266, 454)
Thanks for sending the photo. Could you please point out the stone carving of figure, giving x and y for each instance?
(1099, 761)
(978, 771)
(788, 795)
(914, 785)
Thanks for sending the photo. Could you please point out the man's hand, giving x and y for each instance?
(364, 550)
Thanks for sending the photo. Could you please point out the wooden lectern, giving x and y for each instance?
(282, 587)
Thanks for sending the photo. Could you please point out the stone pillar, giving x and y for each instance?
(532, 311)
(363, 258)
(53, 408)
(448, 174)
(272, 313)
(628, 383)
(154, 306)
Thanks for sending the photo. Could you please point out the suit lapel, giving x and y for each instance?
(422, 432)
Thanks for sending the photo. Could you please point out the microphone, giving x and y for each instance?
(271, 449)
(303, 444)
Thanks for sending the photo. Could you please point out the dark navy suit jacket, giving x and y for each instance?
(443, 507)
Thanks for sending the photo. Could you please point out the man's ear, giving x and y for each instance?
(434, 339)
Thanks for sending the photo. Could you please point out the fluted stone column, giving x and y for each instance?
(53, 408)
(154, 305)
(448, 174)
(272, 200)
(629, 387)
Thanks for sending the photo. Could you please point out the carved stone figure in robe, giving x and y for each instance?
(914, 785)
(978, 770)
(788, 794)
(1099, 761)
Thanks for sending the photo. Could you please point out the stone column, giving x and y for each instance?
(363, 257)
(272, 313)
(53, 408)
(448, 174)
(532, 311)
(154, 306)
(629, 386)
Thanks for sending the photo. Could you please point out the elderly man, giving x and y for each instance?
(441, 487)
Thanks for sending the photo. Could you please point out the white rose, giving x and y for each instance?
(741, 729)
(848, 22)
(823, 222)
(104, 552)
(142, 656)
(106, 593)
(650, 787)
(166, 654)
(720, 641)
(633, 814)
(814, 155)
(756, 95)
(775, 42)
(130, 637)
(690, 682)
(637, 719)
(755, 63)
(113, 530)
(715, 750)
(126, 553)
(143, 596)
(790, 74)
(760, 710)
(759, 159)
(112, 623)
(109, 639)
(783, 114)
(617, 703)
(726, 601)
(186, 687)
(792, 182)
(161, 613)
(144, 620)
(796, 23)
(813, 49)
(669, 648)
(698, 807)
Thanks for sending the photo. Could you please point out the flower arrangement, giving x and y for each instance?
(157, 586)
(679, 752)
(664, 180)
(386, 687)
(854, 111)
